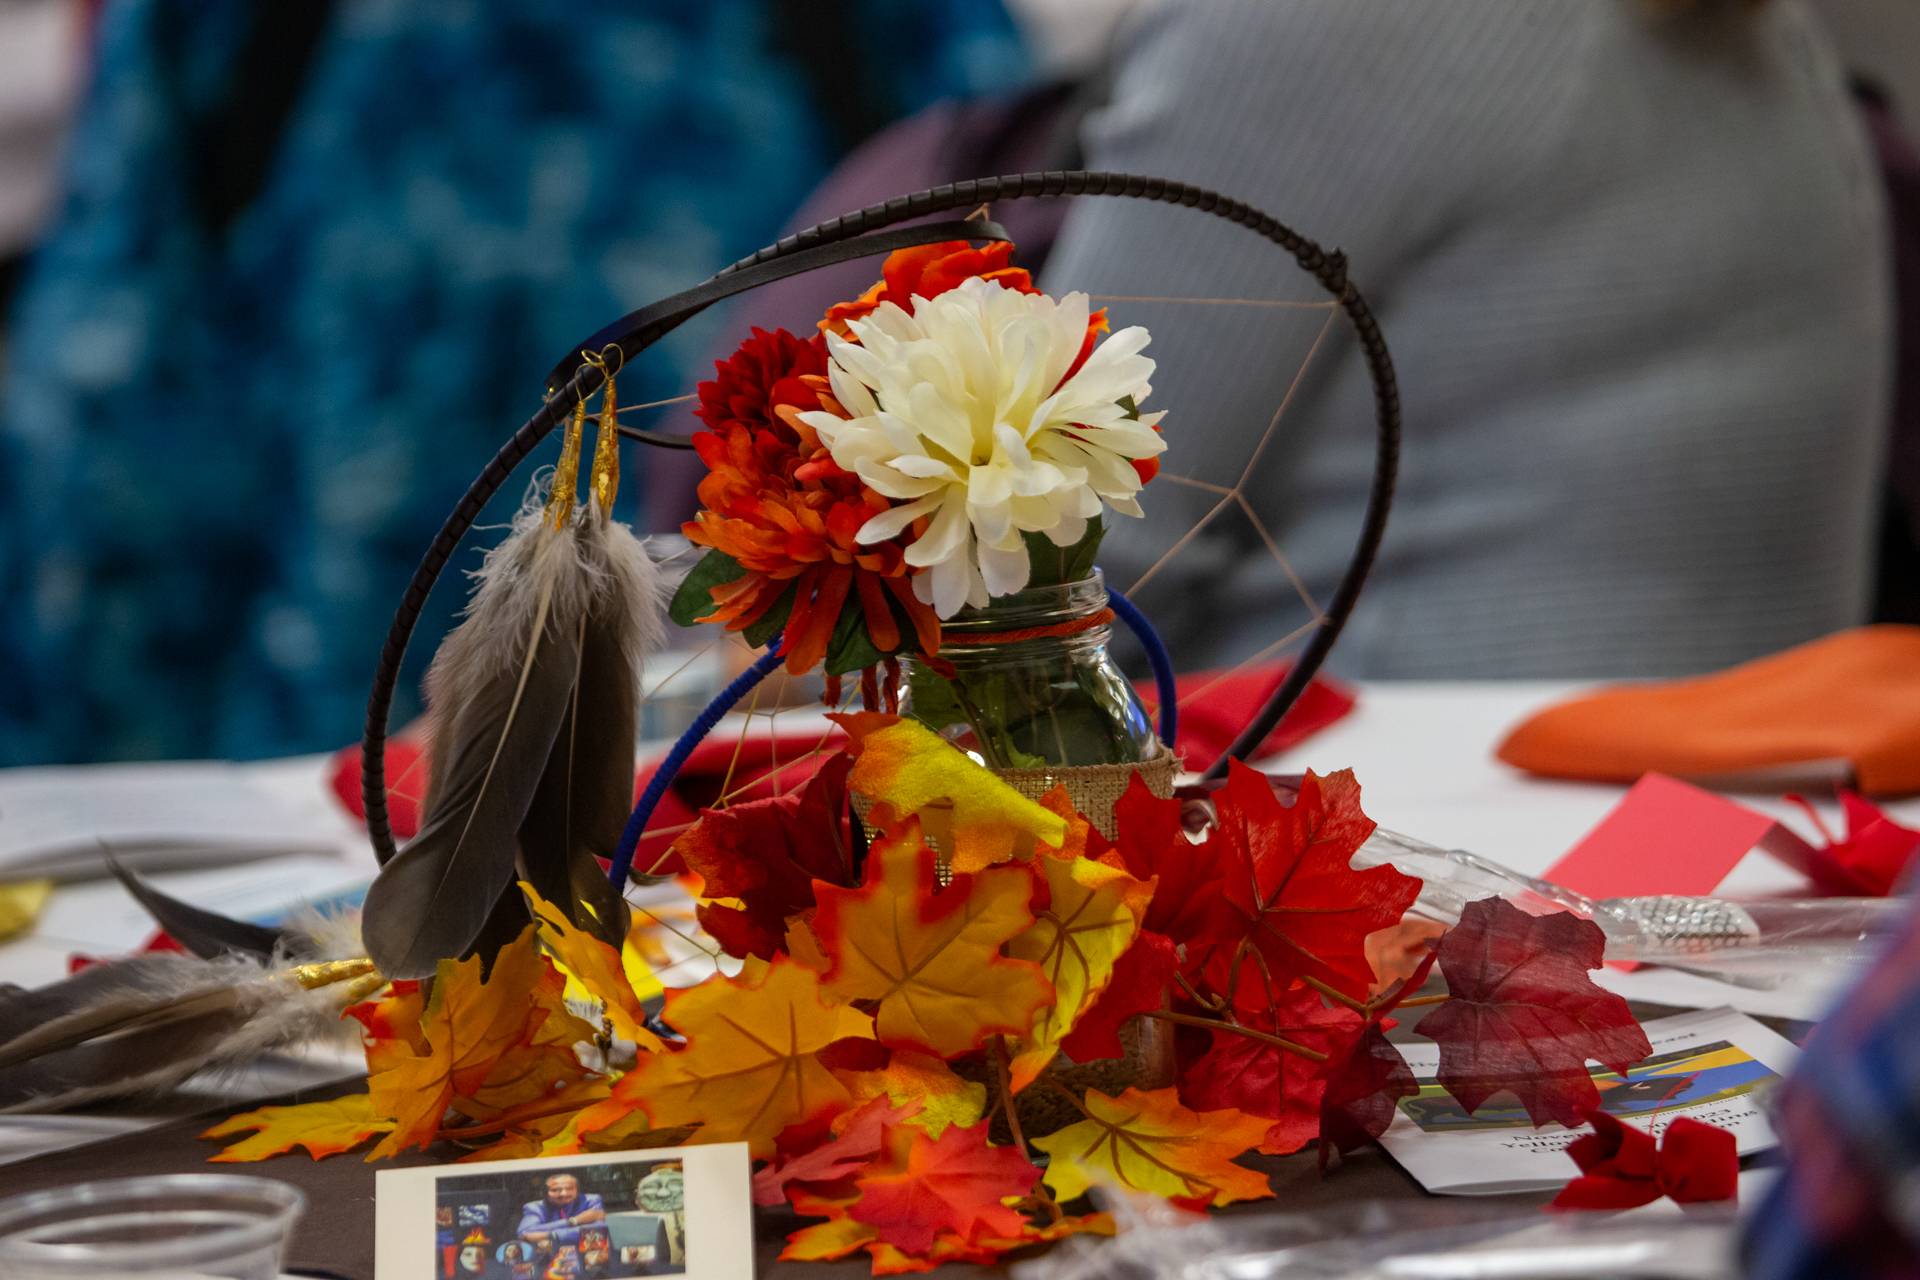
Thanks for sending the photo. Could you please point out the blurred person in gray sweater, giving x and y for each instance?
(1631, 261)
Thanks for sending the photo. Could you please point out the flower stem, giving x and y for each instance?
(1216, 1024)
(1006, 1092)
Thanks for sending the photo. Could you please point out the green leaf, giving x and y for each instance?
(852, 647)
(1053, 565)
(694, 600)
(763, 627)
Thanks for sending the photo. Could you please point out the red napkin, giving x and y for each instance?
(1621, 1169)
(1216, 705)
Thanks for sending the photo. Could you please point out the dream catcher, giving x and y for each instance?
(969, 929)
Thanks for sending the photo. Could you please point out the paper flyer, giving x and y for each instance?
(1714, 1066)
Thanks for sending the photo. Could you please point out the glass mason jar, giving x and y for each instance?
(1032, 701)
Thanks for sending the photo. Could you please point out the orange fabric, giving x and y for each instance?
(1853, 695)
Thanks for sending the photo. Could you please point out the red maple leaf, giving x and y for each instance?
(1523, 1015)
(1292, 906)
(1366, 1076)
(1365, 1079)
(1264, 1080)
(955, 1181)
(768, 853)
(1139, 983)
(1151, 841)
(862, 1136)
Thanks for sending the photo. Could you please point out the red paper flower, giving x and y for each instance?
(1621, 1169)
(1873, 857)
(775, 501)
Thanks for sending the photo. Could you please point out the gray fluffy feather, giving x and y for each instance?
(533, 702)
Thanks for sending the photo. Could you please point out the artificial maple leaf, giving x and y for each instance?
(1149, 1142)
(1289, 893)
(1139, 985)
(1523, 1015)
(891, 1260)
(956, 1181)
(390, 1026)
(1090, 919)
(824, 1241)
(750, 1066)
(904, 768)
(766, 854)
(944, 1098)
(599, 969)
(1262, 1079)
(323, 1128)
(842, 1155)
(930, 956)
(1364, 1075)
(1364, 1080)
(467, 1026)
(1153, 845)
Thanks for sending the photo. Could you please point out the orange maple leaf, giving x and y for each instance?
(469, 1026)
(930, 957)
(944, 1097)
(750, 1066)
(1149, 1142)
(956, 1181)
(323, 1128)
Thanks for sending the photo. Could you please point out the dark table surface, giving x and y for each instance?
(336, 1234)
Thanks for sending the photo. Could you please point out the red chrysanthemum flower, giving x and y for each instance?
(775, 501)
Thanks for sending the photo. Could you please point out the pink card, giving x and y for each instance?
(1665, 836)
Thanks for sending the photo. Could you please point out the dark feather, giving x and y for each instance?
(582, 804)
(208, 934)
(431, 901)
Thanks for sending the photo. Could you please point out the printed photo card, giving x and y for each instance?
(679, 1211)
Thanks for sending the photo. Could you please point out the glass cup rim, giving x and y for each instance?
(286, 1203)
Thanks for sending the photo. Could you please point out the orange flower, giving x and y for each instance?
(927, 272)
(777, 503)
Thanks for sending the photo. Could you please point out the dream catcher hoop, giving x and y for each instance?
(861, 235)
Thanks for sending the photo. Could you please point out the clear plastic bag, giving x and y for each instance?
(1680, 932)
(1407, 1239)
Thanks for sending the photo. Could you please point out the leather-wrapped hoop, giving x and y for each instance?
(851, 236)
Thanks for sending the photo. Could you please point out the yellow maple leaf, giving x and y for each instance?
(905, 768)
(944, 1097)
(750, 1066)
(1149, 1142)
(323, 1128)
(825, 1241)
(1089, 923)
(599, 969)
(930, 957)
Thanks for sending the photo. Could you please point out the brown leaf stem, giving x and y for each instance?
(1215, 1024)
(1331, 994)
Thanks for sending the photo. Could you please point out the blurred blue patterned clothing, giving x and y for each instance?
(224, 447)
(1847, 1205)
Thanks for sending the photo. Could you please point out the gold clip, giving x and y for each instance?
(606, 446)
(566, 474)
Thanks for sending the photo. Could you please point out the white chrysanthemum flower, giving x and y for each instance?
(960, 411)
